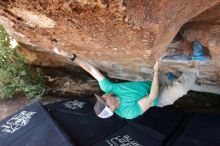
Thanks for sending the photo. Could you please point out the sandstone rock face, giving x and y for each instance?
(121, 37)
(206, 29)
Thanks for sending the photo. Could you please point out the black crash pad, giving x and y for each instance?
(201, 130)
(156, 127)
(77, 117)
(31, 126)
(130, 135)
(163, 120)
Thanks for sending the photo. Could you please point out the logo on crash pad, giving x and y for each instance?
(125, 140)
(18, 121)
(74, 104)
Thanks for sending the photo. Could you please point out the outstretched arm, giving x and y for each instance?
(146, 102)
(89, 68)
(82, 63)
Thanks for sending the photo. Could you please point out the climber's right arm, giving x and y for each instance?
(82, 63)
(89, 68)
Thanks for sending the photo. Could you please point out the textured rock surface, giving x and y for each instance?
(122, 38)
(67, 83)
(206, 29)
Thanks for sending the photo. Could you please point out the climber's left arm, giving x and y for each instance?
(146, 102)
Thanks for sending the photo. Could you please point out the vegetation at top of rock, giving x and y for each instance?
(15, 75)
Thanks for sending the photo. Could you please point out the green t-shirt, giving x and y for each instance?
(129, 93)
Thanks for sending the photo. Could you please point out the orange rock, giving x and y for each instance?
(128, 33)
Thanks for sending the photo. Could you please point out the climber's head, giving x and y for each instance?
(106, 105)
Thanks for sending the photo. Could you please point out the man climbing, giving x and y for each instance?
(131, 99)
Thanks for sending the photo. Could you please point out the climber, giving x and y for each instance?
(131, 99)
